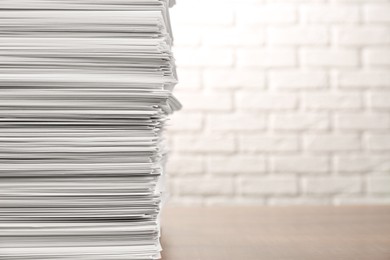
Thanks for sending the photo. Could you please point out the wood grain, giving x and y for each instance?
(277, 233)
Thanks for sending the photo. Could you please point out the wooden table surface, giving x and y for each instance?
(276, 233)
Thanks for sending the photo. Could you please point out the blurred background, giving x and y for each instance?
(285, 102)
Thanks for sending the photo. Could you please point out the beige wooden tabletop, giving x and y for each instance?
(276, 233)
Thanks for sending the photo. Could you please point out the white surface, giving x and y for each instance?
(313, 76)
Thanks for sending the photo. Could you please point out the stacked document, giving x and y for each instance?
(85, 91)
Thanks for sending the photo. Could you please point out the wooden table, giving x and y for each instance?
(276, 233)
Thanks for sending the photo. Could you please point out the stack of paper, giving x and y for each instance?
(85, 89)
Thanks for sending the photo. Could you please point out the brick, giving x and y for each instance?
(233, 37)
(332, 185)
(204, 187)
(320, 13)
(357, 1)
(380, 100)
(236, 121)
(300, 164)
(378, 185)
(360, 200)
(308, 35)
(364, 79)
(189, 79)
(377, 13)
(331, 101)
(203, 57)
(362, 35)
(379, 142)
(291, 201)
(175, 200)
(185, 165)
(295, 79)
(265, 101)
(266, 14)
(236, 164)
(332, 142)
(234, 78)
(203, 143)
(264, 143)
(329, 58)
(268, 186)
(300, 121)
(266, 58)
(237, 201)
(377, 57)
(186, 37)
(359, 121)
(185, 122)
(205, 101)
(299, 1)
(189, 15)
(362, 163)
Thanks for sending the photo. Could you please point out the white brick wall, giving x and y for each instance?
(285, 102)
